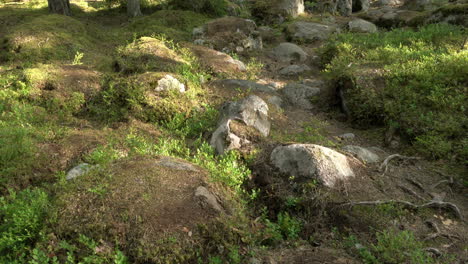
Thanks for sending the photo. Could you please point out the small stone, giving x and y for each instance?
(289, 52)
(347, 136)
(206, 198)
(362, 26)
(170, 83)
(78, 171)
(362, 153)
(294, 70)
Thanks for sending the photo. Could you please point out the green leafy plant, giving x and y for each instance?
(22, 216)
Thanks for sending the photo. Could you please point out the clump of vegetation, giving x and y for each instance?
(22, 217)
(49, 37)
(393, 247)
(178, 24)
(210, 7)
(424, 89)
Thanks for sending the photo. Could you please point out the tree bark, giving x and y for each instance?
(133, 8)
(61, 7)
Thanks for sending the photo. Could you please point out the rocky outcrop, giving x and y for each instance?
(289, 53)
(344, 7)
(363, 154)
(312, 162)
(361, 26)
(309, 31)
(251, 112)
(300, 95)
(229, 34)
(292, 70)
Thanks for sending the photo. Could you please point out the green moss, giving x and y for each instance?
(176, 24)
(49, 37)
(147, 54)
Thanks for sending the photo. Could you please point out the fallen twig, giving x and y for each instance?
(384, 166)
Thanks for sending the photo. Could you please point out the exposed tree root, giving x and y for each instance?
(437, 233)
(431, 204)
(408, 190)
(384, 166)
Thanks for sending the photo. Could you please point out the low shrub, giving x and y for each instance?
(412, 80)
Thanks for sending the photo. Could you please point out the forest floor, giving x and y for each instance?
(73, 91)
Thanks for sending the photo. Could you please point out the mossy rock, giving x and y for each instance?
(136, 97)
(145, 205)
(49, 37)
(147, 54)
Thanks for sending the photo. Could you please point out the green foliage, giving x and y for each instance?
(424, 93)
(286, 227)
(178, 24)
(392, 247)
(210, 7)
(22, 217)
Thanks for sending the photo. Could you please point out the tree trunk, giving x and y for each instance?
(61, 7)
(133, 8)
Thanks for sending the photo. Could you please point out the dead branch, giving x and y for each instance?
(384, 166)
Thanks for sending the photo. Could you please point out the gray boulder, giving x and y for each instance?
(292, 70)
(228, 34)
(363, 154)
(177, 164)
(309, 31)
(78, 171)
(310, 161)
(347, 136)
(292, 8)
(169, 83)
(207, 199)
(245, 85)
(344, 7)
(289, 53)
(300, 95)
(251, 111)
(362, 26)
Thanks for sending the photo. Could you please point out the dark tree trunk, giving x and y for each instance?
(61, 7)
(133, 8)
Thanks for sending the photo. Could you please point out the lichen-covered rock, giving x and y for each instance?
(251, 112)
(363, 154)
(207, 199)
(292, 70)
(362, 26)
(276, 11)
(289, 53)
(344, 7)
(309, 31)
(229, 34)
(310, 162)
(300, 95)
